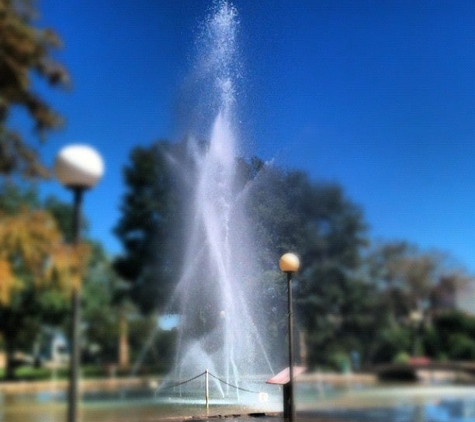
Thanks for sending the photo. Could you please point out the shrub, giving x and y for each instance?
(462, 347)
(402, 357)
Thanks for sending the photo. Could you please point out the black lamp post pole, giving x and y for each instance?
(75, 341)
(290, 405)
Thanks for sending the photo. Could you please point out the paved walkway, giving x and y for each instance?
(300, 418)
(258, 417)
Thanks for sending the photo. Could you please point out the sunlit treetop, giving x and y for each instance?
(31, 250)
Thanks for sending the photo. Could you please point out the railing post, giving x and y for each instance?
(207, 389)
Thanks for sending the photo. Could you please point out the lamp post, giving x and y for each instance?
(416, 318)
(78, 168)
(289, 263)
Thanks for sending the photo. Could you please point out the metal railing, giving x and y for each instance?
(206, 374)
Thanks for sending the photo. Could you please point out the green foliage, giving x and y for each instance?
(402, 357)
(291, 213)
(345, 298)
(100, 312)
(340, 361)
(25, 50)
(13, 197)
(452, 321)
(42, 299)
(273, 211)
(462, 347)
(390, 342)
(63, 214)
(147, 224)
(334, 304)
(28, 240)
(152, 348)
(88, 371)
(453, 335)
(410, 280)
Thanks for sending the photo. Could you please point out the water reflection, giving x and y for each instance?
(451, 410)
(126, 405)
(392, 403)
(353, 404)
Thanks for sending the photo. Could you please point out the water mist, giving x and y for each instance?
(221, 320)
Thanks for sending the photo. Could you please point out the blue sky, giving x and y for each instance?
(377, 96)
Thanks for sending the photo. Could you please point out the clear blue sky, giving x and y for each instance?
(376, 95)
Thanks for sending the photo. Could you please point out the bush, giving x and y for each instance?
(392, 341)
(462, 347)
(340, 361)
(28, 373)
(402, 357)
(398, 373)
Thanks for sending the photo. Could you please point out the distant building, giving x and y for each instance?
(53, 348)
(465, 298)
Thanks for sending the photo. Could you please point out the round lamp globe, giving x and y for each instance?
(79, 166)
(289, 263)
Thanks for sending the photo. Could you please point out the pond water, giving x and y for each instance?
(314, 402)
(131, 405)
(391, 403)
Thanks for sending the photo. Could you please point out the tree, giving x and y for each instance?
(409, 279)
(274, 201)
(404, 276)
(335, 303)
(147, 227)
(414, 287)
(28, 240)
(63, 215)
(24, 51)
(314, 219)
(452, 336)
(37, 269)
(101, 291)
(101, 313)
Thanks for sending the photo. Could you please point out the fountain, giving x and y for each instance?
(222, 326)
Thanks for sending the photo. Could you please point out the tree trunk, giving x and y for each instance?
(124, 359)
(9, 358)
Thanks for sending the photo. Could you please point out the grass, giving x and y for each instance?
(30, 373)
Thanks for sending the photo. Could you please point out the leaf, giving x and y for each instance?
(28, 240)
(8, 282)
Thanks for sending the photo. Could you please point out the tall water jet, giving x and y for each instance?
(222, 325)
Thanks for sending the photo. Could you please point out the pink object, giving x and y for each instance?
(283, 377)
